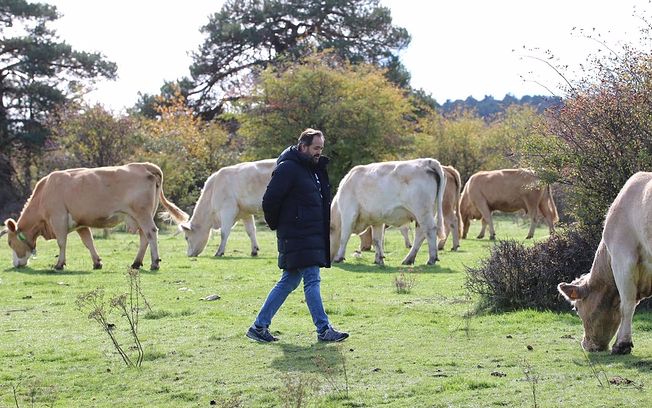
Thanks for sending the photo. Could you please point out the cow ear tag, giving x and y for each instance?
(21, 236)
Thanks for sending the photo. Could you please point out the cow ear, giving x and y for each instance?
(185, 226)
(11, 225)
(571, 292)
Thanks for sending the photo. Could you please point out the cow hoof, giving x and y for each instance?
(408, 262)
(219, 254)
(622, 348)
(480, 236)
(97, 265)
(154, 267)
(529, 237)
(432, 261)
(492, 238)
(136, 265)
(455, 248)
(59, 267)
(254, 254)
(338, 260)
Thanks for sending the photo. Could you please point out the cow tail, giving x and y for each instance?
(552, 206)
(440, 199)
(177, 214)
(458, 197)
(173, 212)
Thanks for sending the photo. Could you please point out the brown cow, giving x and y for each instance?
(451, 207)
(507, 190)
(78, 199)
(621, 274)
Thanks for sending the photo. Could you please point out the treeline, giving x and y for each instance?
(489, 108)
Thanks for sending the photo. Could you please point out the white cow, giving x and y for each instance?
(392, 193)
(621, 274)
(230, 194)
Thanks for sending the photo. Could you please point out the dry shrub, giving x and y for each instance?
(518, 277)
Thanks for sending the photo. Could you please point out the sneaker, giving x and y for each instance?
(261, 335)
(331, 334)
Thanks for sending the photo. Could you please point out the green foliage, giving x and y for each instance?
(91, 136)
(470, 144)
(246, 36)
(187, 148)
(361, 114)
(37, 73)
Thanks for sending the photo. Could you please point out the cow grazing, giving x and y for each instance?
(507, 190)
(230, 194)
(621, 274)
(390, 193)
(78, 199)
(451, 208)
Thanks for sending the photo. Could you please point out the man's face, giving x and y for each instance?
(314, 150)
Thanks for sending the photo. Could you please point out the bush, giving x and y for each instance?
(519, 277)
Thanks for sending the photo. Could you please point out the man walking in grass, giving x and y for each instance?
(297, 205)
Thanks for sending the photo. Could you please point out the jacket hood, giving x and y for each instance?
(293, 154)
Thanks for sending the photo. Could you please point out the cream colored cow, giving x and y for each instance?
(451, 208)
(81, 199)
(621, 274)
(230, 194)
(389, 193)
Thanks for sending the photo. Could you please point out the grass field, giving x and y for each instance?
(419, 349)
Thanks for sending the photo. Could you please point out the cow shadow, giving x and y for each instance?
(387, 269)
(313, 359)
(26, 270)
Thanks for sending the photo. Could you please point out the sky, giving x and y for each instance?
(459, 48)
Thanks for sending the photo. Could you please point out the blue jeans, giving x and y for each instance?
(288, 282)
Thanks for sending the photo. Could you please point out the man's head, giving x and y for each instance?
(311, 143)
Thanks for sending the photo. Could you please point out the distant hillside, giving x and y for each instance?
(489, 107)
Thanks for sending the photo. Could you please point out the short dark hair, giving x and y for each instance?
(308, 135)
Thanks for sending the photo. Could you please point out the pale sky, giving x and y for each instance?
(459, 48)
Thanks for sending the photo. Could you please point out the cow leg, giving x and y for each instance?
(60, 228)
(486, 218)
(87, 238)
(455, 228)
(419, 236)
(148, 235)
(442, 242)
(250, 227)
(365, 240)
(345, 234)
(377, 236)
(482, 229)
(466, 223)
(228, 219)
(138, 262)
(532, 211)
(623, 267)
(405, 231)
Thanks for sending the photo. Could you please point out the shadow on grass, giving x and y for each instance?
(366, 268)
(26, 270)
(299, 358)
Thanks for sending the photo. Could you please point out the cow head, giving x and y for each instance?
(196, 237)
(20, 245)
(598, 307)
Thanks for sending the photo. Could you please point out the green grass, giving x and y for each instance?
(414, 349)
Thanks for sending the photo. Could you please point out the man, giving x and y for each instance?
(297, 205)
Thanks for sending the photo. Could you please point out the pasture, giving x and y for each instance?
(422, 348)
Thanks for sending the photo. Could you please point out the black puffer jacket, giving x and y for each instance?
(298, 208)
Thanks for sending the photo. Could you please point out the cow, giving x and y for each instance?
(621, 274)
(389, 193)
(451, 208)
(506, 190)
(84, 198)
(230, 194)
